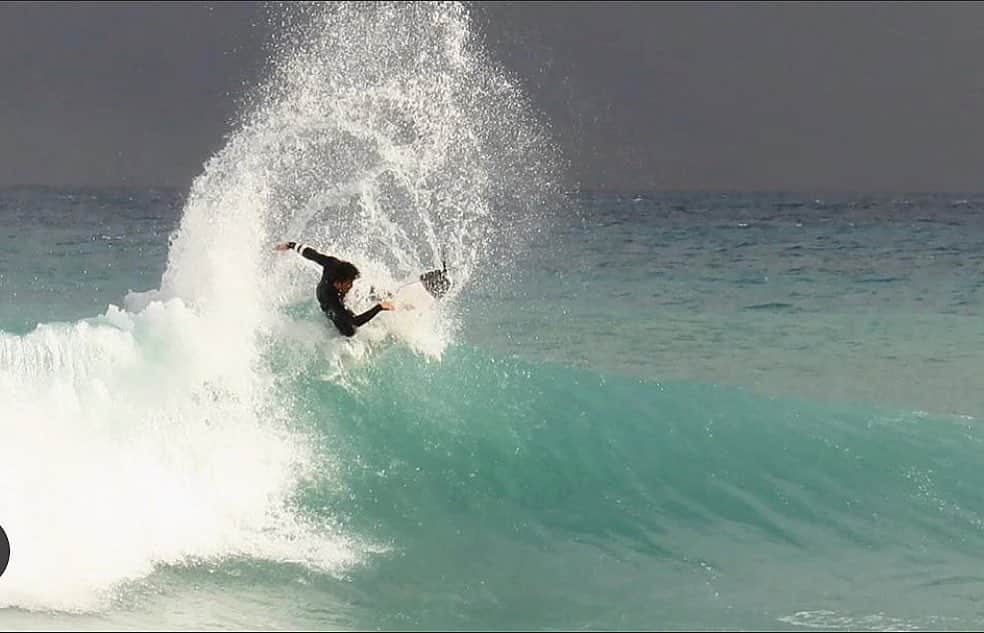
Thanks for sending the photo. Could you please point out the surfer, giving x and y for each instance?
(337, 278)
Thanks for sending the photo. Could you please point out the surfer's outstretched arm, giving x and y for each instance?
(367, 316)
(308, 252)
(345, 321)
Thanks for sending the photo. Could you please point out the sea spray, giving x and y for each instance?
(161, 433)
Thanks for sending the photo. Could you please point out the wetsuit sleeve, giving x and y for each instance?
(308, 252)
(367, 316)
(346, 322)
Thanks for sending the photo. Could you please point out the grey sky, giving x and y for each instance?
(851, 97)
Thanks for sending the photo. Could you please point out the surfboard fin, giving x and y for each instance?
(436, 281)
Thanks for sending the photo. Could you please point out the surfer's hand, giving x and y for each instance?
(281, 247)
(387, 305)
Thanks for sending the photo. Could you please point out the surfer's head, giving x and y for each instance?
(345, 275)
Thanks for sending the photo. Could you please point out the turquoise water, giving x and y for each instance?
(661, 411)
(544, 472)
(869, 299)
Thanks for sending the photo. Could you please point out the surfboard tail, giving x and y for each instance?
(436, 281)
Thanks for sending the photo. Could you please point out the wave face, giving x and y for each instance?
(476, 492)
(512, 494)
(160, 433)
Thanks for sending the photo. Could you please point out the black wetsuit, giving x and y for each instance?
(329, 297)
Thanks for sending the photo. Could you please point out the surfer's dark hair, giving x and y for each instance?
(346, 271)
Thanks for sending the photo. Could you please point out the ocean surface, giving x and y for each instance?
(635, 410)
